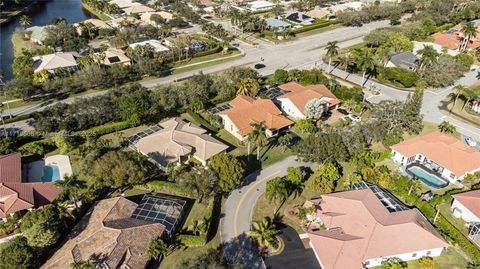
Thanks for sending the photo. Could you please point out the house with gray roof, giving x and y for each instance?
(277, 24)
(404, 60)
(36, 34)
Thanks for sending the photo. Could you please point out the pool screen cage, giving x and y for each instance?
(391, 203)
(474, 231)
(165, 210)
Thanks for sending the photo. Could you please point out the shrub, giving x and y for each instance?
(313, 26)
(200, 240)
(106, 129)
(404, 77)
(166, 186)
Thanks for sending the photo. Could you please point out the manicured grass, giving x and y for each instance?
(210, 57)
(180, 70)
(196, 213)
(429, 127)
(319, 30)
(458, 113)
(450, 259)
(19, 43)
(95, 12)
(174, 260)
(117, 137)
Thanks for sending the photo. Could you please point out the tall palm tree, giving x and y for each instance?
(470, 94)
(257, 136)
(469, 31)
(277, 191)
(416, 185)
(383, 55)
(457, 91)
(345, 61)
(25, 21)
(265, 232)
(332, 51)
(71, 187)
(365, 61)
(428, 55)
(248, 86)
(446, 127)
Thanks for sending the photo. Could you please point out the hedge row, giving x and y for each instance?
(166, 186)
(201, 121)
(313, 26)
(456, 237)
(200, 240)
(214, 50)
(105, 129)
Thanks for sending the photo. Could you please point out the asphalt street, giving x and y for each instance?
(240, 203)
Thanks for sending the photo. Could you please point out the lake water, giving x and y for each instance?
(41, 14)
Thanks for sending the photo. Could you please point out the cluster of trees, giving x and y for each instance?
(391, 119)
(215, 30)
(376, 12)
(316, 76)
(103, 6)
(279, 189)
(247, 22)
(468, 94)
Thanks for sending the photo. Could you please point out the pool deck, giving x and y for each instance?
(63, 164)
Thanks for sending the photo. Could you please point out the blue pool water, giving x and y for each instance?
(427, 178)
(51, 173)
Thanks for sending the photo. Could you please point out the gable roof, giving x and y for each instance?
(53, 61)
(445, 150)
(361, 228)
(471, 200)
(246, 110)
(115, 56)
(452, 41)
(300, 95)
(107, 231)
(178, 139)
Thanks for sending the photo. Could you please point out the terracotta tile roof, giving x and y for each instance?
(471, 200)
(362, 229)
(178, 139)
(452, 41)
(300, 95)
(247, 110)
(11, 167)
(108, 231)
(444, 150)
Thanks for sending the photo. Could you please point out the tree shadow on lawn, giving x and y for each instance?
(244, 251)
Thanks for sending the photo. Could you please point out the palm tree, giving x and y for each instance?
(71, 187)
(446, 127)
(86, 264)
(257, 136)
(365, 61)
(345, 61)
(277, 191)
(383, 55)
(428, 55)
(157, 248)
(416, 185)
(25, 21)
(458, 90)
(332, 51)
(248, 86)
(469, 31)
(265, 232)
(470, 94)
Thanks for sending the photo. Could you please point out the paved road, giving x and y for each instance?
(238, 208)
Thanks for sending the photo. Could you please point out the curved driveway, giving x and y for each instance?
(239, 206)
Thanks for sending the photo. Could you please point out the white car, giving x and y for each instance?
(470, 141)
(354, 118)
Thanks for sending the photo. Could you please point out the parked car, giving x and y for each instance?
(354, 118)
(470, 141)
(259, 66)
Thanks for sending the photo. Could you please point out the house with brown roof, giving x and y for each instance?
(453, 41)
(440, 153)
(296, 96)
(177, 141)
(113, 56)
(363, 229)
(245, 110)
(16, 195)
(110, 233)
(137, 9)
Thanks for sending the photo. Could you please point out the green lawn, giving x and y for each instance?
(19, 43)
(206, 58)
(319, 30)
(180, 70)
(464, 115)
(117, 136)
(174, 260)
(96, 13)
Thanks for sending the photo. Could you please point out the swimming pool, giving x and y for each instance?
(427, 178)
(51, 173)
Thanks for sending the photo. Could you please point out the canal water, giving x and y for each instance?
(41, 14)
